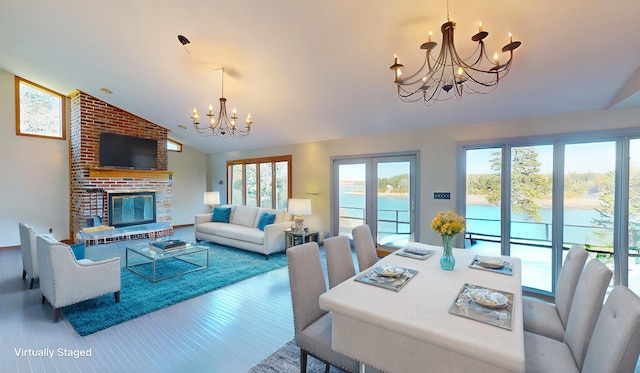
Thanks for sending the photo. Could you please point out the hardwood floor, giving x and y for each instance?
(227, 330)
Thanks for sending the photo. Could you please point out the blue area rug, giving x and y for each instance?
(139, 296)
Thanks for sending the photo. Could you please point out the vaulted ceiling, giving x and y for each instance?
(313, 70)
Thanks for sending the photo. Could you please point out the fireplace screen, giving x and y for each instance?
(132, 208)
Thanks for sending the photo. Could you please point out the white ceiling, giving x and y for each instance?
(312, 70)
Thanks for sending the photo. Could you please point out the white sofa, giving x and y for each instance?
(242, 230)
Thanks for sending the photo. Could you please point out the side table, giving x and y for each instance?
(292, 238)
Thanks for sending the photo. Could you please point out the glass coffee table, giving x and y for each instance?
(155, 264)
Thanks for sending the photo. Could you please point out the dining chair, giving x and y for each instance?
(365, 247)
(65, 280)
(312, 324)
(29, 255)
(585, 307)
(550, 319)
(339, 260)
(613, 347)
(584, 313)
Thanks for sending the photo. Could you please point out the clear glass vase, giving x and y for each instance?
(447, 262)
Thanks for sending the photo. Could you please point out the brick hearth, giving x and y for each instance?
(89, 117)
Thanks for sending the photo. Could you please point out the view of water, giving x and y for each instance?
(578, 225)
(482, 219)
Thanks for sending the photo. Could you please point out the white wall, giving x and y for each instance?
(437, 146)
(189, 185)
(35, 178)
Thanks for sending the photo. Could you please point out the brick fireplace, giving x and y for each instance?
(90, 184)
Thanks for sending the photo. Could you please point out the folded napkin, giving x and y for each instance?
(416, 251)
(490, 262)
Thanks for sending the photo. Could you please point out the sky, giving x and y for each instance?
(579, 158)
(595, 157)
(356, 172)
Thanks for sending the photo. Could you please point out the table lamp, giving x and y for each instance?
(211, 199)
(298, 207)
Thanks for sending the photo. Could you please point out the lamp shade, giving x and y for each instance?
(299, 206)
(211, 198)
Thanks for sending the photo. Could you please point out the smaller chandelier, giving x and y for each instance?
(224, 125)
(449, 75)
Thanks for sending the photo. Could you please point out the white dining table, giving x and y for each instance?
(411, 330)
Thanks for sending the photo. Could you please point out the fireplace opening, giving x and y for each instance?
(132, 208)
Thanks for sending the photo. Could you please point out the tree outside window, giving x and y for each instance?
(40, 111)
(262, 182)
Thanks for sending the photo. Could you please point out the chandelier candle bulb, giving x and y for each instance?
(479, 28)
(510, 38)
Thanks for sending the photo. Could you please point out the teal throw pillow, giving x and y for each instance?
(221, 214)
(266, 219)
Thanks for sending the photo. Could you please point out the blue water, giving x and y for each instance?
(578, 223)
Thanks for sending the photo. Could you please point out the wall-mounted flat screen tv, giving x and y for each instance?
(121, 151)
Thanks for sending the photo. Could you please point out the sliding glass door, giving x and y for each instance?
(530, 213)
(633, 224)
(483, 200)
(535, 201)
(378, 191)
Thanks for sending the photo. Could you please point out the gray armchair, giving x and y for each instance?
(65, 281)
(613, 347)
(365, 247)
(339, 259)
(29, 256)
(550, 319)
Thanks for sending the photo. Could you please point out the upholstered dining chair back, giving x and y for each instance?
(585, 308)
(568, 280)
(29, 255)
(550, 319)
(365, 247)
(312, 325)
(339, 259)
(307, 284)
(615, 343)
(65, 281)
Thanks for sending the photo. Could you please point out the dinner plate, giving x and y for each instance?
(488, 299)
(388, 271)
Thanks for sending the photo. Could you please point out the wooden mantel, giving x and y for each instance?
(123, 172)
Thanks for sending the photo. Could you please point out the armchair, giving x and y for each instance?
(29, 256)
(65, 281)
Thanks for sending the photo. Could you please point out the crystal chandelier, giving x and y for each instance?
(224, 125)
(448, 75)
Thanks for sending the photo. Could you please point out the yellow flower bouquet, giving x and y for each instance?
(447, 224)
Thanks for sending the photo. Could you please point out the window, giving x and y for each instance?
(40, 111)
(173, 146)
(534, 199)
(262, 182)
